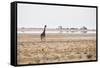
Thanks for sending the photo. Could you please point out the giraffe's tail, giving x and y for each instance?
(41, 37)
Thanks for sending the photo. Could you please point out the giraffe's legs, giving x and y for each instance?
(43, 38)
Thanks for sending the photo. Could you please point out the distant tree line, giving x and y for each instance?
(82, 29)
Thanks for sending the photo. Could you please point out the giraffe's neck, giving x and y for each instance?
(44, 30)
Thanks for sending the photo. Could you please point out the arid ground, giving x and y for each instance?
(56, 48)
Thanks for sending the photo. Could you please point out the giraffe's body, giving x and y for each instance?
(43, 33)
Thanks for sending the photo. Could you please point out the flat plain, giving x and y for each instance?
(56, 48)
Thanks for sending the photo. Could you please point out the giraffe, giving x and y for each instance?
(43, 33)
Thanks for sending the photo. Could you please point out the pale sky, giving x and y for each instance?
(36, 16)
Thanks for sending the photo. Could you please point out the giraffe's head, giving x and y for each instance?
(45, 26)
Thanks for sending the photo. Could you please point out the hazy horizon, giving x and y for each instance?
(50, 28)
(36, 16)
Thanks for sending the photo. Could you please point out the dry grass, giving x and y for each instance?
(56, 48)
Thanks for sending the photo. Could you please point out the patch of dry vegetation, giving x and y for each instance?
(57, 48)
